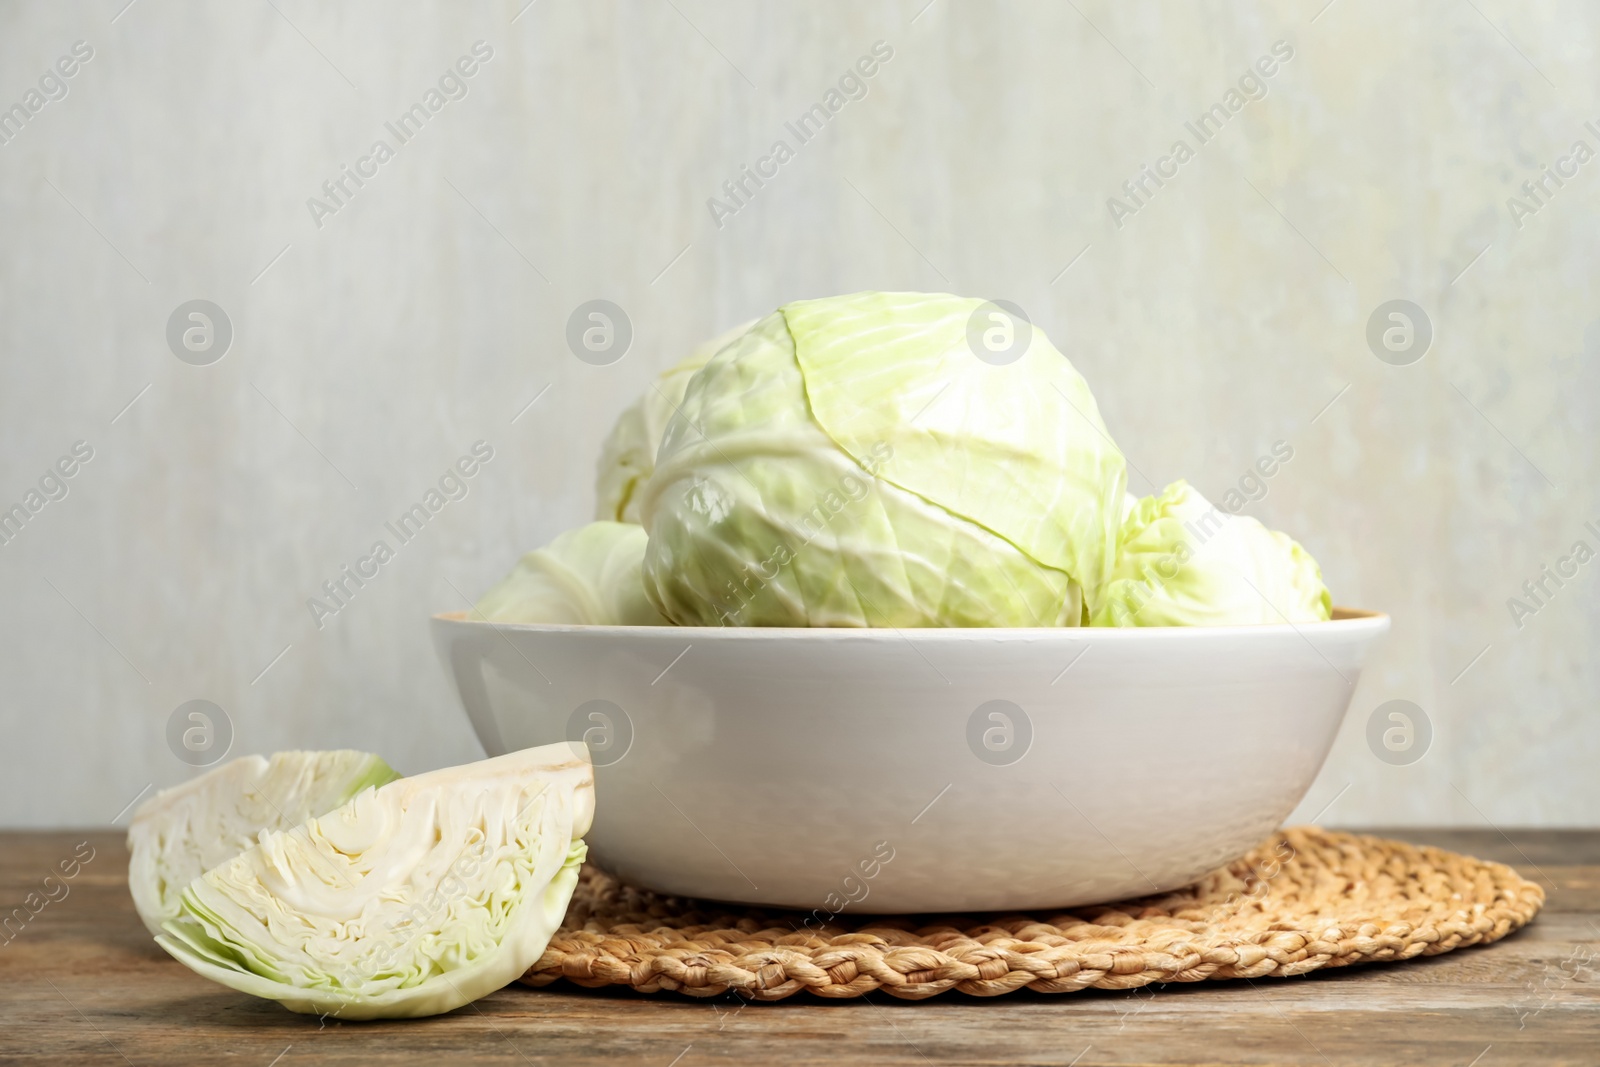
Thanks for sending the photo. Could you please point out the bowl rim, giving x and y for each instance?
(1344, 620)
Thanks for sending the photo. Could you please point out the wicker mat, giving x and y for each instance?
(1304, 899)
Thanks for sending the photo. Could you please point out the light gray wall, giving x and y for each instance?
(1227, 314)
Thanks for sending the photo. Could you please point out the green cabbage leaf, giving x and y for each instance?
(851, 462)
(588, 576)
(1183, 562)
(629, 453)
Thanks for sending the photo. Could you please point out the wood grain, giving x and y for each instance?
(81, 982)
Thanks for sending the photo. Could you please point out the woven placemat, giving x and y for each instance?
(1304, 899)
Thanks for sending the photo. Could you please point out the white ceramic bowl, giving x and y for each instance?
(873, 770)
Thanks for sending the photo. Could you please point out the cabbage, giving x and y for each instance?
(851, 462)
(412, 899)
(629, 453)
(180, 833)
(589, 575)
(1184, 563)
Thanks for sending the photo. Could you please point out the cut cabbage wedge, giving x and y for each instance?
(413, 899)
(180, 833)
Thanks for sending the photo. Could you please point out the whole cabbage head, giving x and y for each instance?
(180, 833)
(1182, 562)
(586, 576)
(413, 899)
(629, 453)
(852, 462)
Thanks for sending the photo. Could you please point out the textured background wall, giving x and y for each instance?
(1228, 312)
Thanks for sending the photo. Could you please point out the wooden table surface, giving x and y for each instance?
(83, 983)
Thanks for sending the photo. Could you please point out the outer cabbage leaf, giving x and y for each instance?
(1182, 562)
(758, 518)
(629, 453)
(1018, 448)
(180, 833)
(412, 899)
(586, 576)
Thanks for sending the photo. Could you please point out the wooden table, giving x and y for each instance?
(83, 983)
